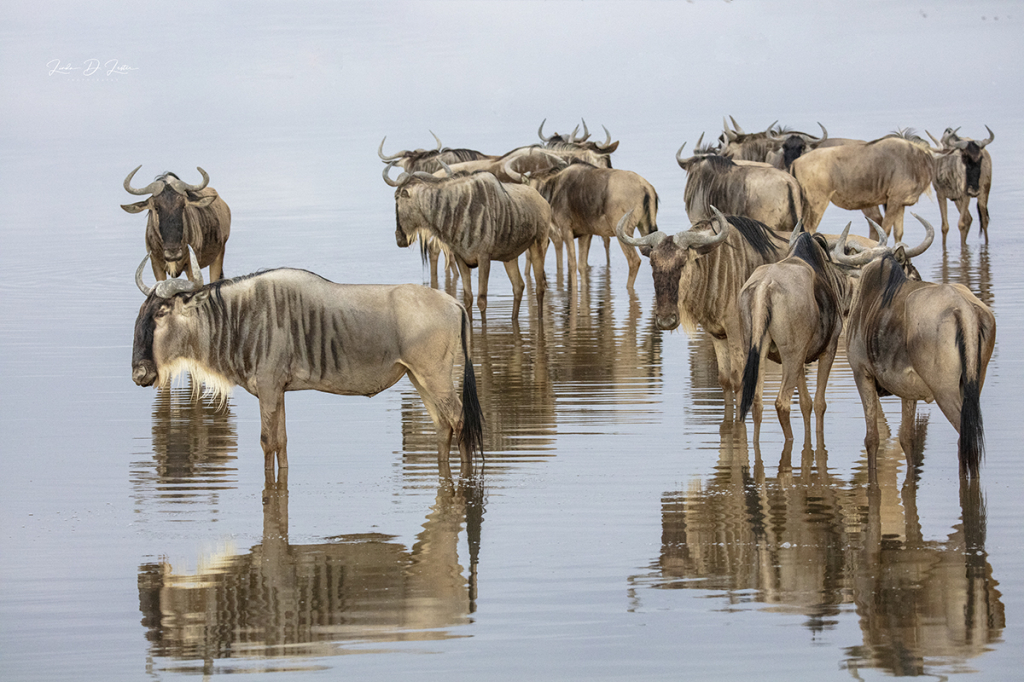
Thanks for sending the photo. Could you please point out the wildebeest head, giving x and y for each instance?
(970, 154)
(744, 146)
(902, 252)
(429, 160)
(171, 225)
(571, 141)
(793, 144)
(157, 330)
(411, 215)
(670, 254)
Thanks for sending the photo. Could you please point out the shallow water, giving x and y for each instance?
(619, 526)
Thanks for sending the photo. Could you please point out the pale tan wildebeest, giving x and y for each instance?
(792, 312)
(919, 341)
(182, 215)
(291, 330)
(963, 176)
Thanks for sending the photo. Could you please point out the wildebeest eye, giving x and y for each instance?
(405, 193)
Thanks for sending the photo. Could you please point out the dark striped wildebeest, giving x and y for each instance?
(961, 177)
(739, 145)
(754, 190)
(291, 330)
(586, 200)
(919, 341)
(182, 215)
(698, 274)
(891, 171)
(477, 219)
(792, 312)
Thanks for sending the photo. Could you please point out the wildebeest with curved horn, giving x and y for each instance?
(182, 215)
(291, 330)
(961, 177)
(429, 160)
(891, 171)
(698, 274)
(754, 190)
(586, 200)
(739, 145)
(791, 144)
(478, 219)
(569, 142)
(919, 341)
(792, 312)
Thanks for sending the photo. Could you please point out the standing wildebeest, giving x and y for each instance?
(892, 172)
(793, 309)
(561, 142)
(742, 146)
(586, 200)
(790, 144)
(429, 160)
(478, 219)
(754, 190)
(919, 341)
(697, 280)
(290, 330)
(182, 215)
(961, 177)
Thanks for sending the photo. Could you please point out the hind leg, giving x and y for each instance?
(443, 405)
(536, 254)
(273, 436)
(512, 268)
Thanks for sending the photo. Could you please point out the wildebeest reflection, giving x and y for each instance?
(808, 542)
(280, 599)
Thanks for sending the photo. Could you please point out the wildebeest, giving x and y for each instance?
(478, 219)
(754, 190)
(570, 142)
(698, 275)
(919, 341)
(291, 330)
(793, 310)
(892, 172)
(182, 215)
(742, 146)
(790, 144)
(586, 200)
(429, 160)
(961, 177)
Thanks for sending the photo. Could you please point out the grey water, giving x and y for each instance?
(619, 527)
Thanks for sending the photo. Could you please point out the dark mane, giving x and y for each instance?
(757, 234)
(719, 163)
(817, 256)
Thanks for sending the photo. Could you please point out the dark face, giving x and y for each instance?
(971, 156)
(170, 210)
(405, 219)
(792, 149)
(154, 309)
(667, 263)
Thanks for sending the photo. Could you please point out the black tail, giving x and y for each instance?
(472, 435)
(972, 435)
(760, 319)
(750, 373)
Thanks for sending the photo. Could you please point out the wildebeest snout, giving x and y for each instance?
(144, 374)
(667, 322)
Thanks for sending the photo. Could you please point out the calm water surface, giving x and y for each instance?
(619, 527)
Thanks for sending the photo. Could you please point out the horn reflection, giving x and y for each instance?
(808, 542)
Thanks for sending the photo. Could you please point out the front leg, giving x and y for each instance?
(484, 268)
(908, 431)
(273, 436)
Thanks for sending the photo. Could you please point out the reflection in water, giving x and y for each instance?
(807, 542)
(582, 368)
(194, 445)
(281, 600)
(975, 274)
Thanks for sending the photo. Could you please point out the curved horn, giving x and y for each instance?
(154, 187)
(196, 275)
(387, 178)
(385, 159)
(651, 241)
(515, 175)
(879, 232)
(607, 138)
(991, 137)
(540, 131)
(692, 240)
(855, 260)
(736, 126)
(193, 188)
(824, 133)
(146, 291)
(586, 133)
(929, 237)
(436, 138)
(680, 160)
(729, 134)
(447, 168)
(796, 232)
(938, 145)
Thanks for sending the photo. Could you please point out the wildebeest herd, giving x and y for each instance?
(751, 270)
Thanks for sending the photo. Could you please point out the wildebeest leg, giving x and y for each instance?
(512, 268)
(273, 436)
(467, 282)
(943, 213)
(216, 267)
(633, 258)
(536, 254)
(607, 250)
(159, 271)
(584, 254)
(813, 212)
(907, 431)
(893, 220)
(723, 355)
(570, 257)
(872, 409)
(792, 377)
(824, 369)
(484, 269)
(758, 406)
(434, 254)
(963, 205)
(443, 405)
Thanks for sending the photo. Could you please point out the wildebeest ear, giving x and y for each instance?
(645, 251)
(202, 203)
(610, 148)
(137, 207)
